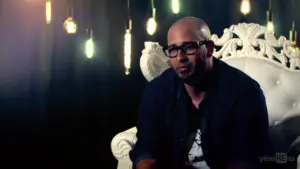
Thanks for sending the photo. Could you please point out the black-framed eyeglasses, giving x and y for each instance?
(188, 48)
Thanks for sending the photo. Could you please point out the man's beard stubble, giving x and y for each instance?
(196, 76)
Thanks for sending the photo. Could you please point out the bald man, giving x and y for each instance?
(201, 113)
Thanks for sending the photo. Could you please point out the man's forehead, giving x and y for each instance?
(184, 43)
(179, 36)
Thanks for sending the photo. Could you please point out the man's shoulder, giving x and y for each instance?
(164, 80)
(162, 87)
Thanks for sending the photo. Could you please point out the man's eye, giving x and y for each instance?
(172, 50)
(190, 50)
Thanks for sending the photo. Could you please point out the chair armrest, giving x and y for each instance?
(123, 142)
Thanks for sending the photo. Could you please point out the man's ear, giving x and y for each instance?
(210, 48)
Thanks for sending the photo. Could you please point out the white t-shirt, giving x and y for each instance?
(195, 155)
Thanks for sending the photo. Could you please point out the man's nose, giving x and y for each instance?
(181, 56)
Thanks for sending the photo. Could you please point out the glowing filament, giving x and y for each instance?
(175, 6)
(48, 11)
(270, 26)
(127, 51)
(245, 7)
(70, 25)
(89, 48)
(151, 26)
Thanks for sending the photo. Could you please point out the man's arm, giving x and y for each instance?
(149, 136)
(250, 137)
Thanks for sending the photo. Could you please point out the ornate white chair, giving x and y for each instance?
(250, 48)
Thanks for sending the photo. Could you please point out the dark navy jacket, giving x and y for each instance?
(234, 132)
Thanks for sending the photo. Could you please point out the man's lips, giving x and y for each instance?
(183, 68)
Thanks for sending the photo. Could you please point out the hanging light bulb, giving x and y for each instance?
(270, 24)
(151, 23)
(70, 25)
(151, 26)
(293, 35)
(175, 6)
(245, 7)
(127, 51)
(127, 42)
(48, 11)
(89, 47)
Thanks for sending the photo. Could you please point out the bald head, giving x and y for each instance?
(190, 60)
(188, 29)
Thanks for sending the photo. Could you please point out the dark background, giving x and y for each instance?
(60, 109)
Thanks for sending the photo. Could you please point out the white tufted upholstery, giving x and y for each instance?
(257, 57)
(280, 85)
